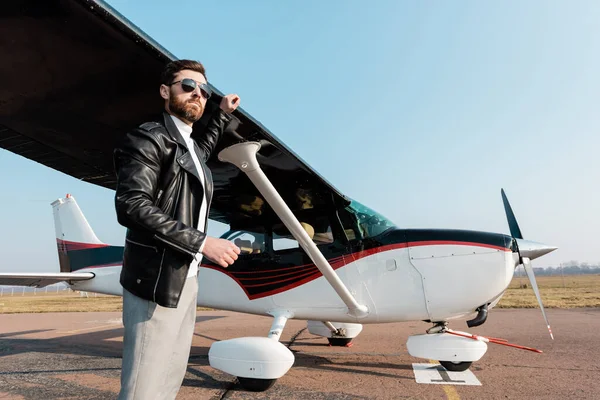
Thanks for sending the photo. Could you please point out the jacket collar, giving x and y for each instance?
(185, 160)
(173, 131)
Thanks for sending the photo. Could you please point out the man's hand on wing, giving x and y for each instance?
(229, 103)
(220, 251)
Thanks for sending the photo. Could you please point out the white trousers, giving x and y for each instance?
(156, 345)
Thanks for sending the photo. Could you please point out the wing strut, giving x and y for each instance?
(243, 156)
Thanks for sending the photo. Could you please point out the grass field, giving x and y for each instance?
(64, 301)
(557, 292)
(570, 291)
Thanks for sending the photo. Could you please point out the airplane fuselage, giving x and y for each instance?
(403, 275)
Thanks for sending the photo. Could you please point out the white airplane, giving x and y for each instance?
(427, 275)
(309, 252)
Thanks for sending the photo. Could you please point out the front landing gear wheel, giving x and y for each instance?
(456, 366)
(255, 385)
(339, 341)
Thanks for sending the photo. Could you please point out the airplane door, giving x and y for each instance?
(387, 279)
(358, 275)
(247, 283)
(312, 290)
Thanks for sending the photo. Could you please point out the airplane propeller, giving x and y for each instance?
(528, 251)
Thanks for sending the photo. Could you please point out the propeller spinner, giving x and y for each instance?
(527, 251)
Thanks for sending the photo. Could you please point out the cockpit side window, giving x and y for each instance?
(350, 225)
(284, 242)
(316, 226)
(362, 222)
(249, 242)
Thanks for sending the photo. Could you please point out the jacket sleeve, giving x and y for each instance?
(138, 166)
(212, 133)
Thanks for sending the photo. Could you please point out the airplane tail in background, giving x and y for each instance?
(78, 245)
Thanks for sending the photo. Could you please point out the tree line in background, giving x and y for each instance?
(569, 268)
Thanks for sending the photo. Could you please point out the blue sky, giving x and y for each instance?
(420, 110)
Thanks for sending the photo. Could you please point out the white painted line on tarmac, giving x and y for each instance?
(437, 375)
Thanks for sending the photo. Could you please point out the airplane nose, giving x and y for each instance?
(533, 250)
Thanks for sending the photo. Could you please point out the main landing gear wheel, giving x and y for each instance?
(339, 341)
(256, 385)
(456, 366)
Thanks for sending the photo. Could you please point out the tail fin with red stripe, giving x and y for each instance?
(78, 245)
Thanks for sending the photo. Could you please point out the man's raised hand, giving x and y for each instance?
(230, 102)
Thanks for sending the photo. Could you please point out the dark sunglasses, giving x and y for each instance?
(189, 85)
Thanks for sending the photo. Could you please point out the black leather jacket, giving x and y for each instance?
(158, 198)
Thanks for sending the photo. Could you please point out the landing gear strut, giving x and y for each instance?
(337, 333)
(438, 327)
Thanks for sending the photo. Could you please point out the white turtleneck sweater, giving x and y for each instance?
(186, 132)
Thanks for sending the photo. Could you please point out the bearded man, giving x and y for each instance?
(164, 190)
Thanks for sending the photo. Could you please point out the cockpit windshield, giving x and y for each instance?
(370, 223)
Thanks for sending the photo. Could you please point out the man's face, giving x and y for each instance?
(187, 106)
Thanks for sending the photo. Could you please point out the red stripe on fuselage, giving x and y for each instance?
(312, 268)
(336, 262)
(74, 246)
(339, 262)
(455, 243)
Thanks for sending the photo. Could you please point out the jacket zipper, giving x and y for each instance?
(158, 277)
(141, 244)
(174, 245)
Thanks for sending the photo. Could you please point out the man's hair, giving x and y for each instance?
(179, 65)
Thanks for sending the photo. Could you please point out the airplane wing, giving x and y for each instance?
(40, 280)
(81, 75)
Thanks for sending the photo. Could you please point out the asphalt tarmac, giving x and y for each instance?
(77, 356)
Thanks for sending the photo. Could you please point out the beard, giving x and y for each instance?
(185, 110)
